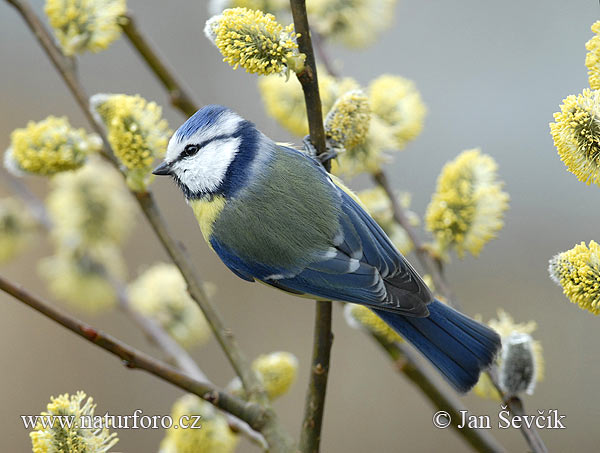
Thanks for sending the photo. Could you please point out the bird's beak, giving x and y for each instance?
(162, 169)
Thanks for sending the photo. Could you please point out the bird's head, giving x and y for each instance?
(208, 150)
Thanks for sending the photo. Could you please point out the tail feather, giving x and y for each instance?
(457, 345)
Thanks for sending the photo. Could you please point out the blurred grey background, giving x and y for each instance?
(491, 74)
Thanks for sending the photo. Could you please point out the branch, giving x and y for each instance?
(532, 436)
(407, 362)
(310, 436)
(132, 358)
(177, 355)
(425, 258)
(36, 207)
(178, 97)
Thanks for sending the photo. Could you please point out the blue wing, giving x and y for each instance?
(361, 266)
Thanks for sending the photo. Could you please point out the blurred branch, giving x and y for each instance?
(132, 358)
(516, 408)
(532, 436)
(36, 207)
(310, 436)
(427, 261)
(178, 96)
(271, 429)
(177, 355)
(408, 363)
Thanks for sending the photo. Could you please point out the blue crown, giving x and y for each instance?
(204, 117)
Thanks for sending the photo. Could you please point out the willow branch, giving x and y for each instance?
(408, 363)
(132, 358)
(178, 356)
(532, 436)
(36, 207)
(177, 95)
(310, 436)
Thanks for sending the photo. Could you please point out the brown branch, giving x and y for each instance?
(532, 436)
(178, 96)
(408, 363)
(178, 356)
(310, 436)
(132, 358)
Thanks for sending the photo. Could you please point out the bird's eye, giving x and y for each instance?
(190, 150)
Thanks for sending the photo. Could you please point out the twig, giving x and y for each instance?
(35, 205)
(425, 258)
(132, 358)
(408, 363)
(532, 436)
(310, 436)
(178, 96)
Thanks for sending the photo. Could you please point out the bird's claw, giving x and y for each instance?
(323, 158)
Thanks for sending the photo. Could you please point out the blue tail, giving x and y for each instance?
(457, 345)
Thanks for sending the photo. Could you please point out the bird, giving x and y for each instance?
(274, 215)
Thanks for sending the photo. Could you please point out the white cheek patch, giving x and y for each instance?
(227, 124)
(205, 171)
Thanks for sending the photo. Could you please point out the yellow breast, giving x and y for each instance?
(206, 212)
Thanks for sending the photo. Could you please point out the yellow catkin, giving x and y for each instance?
(277, 371)
(83, 277)
(398, 103)
(354, 23)
(49, 146)
(592, 58)
(90, 206)
(214, 436)
(576, 134)
(361, 317)
(160, 293)
(347, 123)
(577, 271)
(284, 100)
(255, 41)
(86, 25)
(466, 210)
(59, 439)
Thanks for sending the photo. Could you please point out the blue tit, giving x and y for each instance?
(274, 215)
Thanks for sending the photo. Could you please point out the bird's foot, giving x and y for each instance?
(323, 158)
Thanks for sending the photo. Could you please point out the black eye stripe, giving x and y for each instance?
(200, 145)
